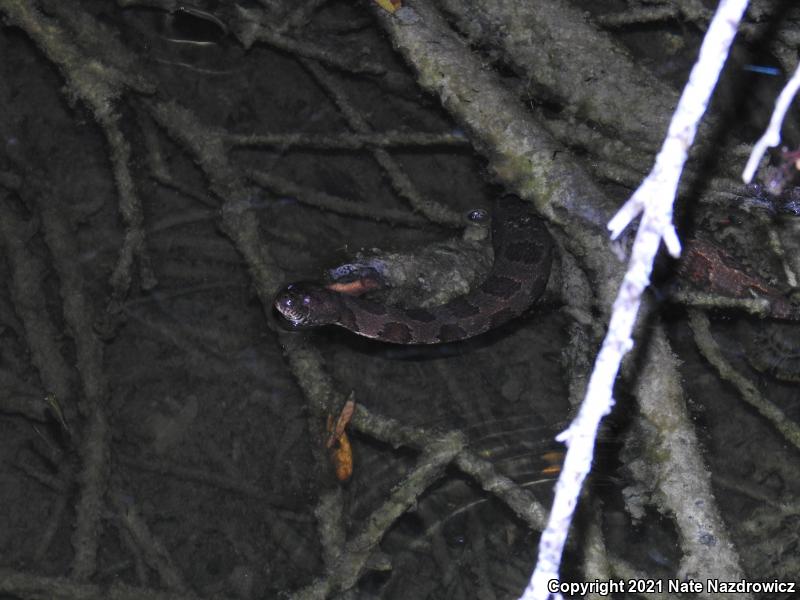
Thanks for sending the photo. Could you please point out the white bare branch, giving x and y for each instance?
(653, 199)
(772, 135)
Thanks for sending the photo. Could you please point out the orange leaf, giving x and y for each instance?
(342, 458)
(339, 443)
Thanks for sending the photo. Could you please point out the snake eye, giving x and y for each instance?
(306, 300)
(478, 215)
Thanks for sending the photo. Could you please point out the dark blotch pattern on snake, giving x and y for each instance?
(522, 258)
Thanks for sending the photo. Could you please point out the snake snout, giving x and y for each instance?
(290, 306)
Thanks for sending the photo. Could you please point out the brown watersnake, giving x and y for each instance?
(522, 258)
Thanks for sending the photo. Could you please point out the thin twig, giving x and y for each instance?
(330, 57)
(401, 182)
(94, 448)
(759, 307)
(750, 394)
(336, 204)
(348, 141)
(351, 562)
(153, 550)
(27, 289)
(99, 84)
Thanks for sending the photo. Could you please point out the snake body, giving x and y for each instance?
(522, 259)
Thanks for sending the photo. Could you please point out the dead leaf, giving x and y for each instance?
(334, 433)
(339, 443)
(342, 458)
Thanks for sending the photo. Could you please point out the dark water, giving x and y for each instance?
(212, 465)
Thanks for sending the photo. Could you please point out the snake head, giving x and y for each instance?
(307, 304)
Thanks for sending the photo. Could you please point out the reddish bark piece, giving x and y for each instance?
(709, 268)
